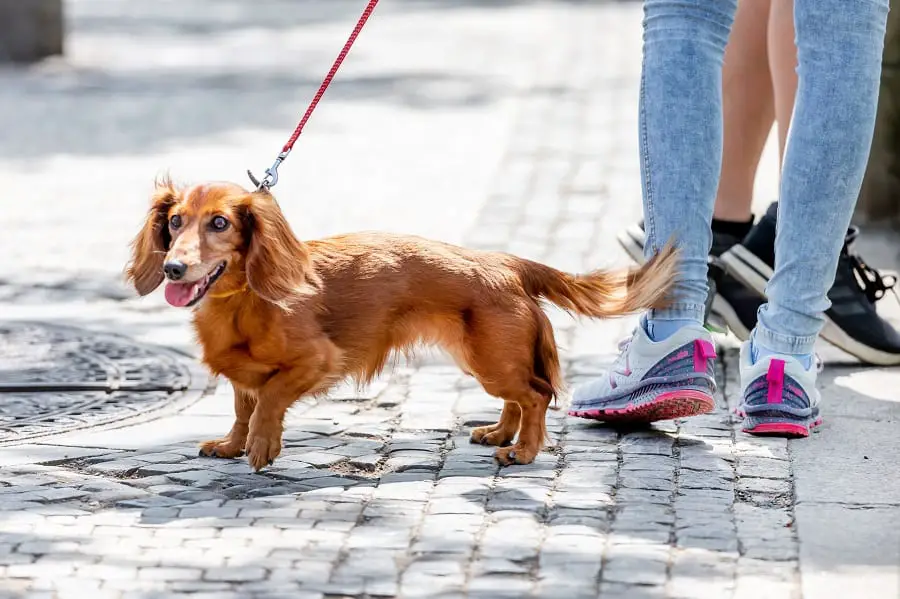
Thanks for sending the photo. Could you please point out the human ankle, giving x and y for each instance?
(735, 227)
(660, 330)
(758, 353)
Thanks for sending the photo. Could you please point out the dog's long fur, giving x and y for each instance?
(290, 318)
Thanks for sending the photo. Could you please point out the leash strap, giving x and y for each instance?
(271, 177)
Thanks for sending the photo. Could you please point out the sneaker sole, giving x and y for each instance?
(782, 429)
(666, 406)
(744, 266)
(632, 241)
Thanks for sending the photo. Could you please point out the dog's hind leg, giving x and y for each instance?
(532, 433)
(510, 353)
(232, 445)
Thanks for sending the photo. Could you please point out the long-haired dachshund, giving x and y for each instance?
(283, 319)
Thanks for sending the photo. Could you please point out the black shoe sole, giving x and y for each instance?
(744, 266)
(632, 241)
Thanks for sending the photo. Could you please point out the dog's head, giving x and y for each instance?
(220, 237)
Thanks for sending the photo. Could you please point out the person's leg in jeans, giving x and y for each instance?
(759, 83)
(748, 110)
(748, 114)
(666, 369)
(839, 45)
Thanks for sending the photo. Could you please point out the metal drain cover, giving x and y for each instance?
(54, 379)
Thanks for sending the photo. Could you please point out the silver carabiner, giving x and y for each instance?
(271, 178)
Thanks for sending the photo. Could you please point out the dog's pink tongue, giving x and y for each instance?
(179, 294)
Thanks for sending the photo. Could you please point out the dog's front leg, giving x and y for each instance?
(232, 445)
(273, 401)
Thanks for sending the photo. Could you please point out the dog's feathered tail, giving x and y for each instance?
(604, 293)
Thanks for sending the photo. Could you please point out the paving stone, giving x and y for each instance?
(451, 542)
(170, 574)
(234, 574)
(196, 495)
(641, 496)
(150, 502)
(646, 482)
(115, 467)
(761, 467)
(320, 459)
(403, 463)
(618, 590)
(498, 566)
(453, 505)
(57, 494)
(765, 486)
(635, 570)
(154, 468)
(319, 442)
(493, 585)
(641, 443)
(196, 478)
(207, 512)
(159, 458)
(560, 588)
(688, 479)
(107, 572)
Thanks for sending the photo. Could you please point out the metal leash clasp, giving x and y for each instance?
(271, 178)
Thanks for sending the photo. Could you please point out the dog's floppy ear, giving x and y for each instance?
(278, 266)
(148, 249)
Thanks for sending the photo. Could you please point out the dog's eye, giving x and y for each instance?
(218, 223)
(175, 221)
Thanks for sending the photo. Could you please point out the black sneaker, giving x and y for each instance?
(852, 323)
(733, 305)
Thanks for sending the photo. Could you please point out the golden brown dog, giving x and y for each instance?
(283, 319)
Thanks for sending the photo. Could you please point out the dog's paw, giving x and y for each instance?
(491, 435)
(479, 433)
(262, 450)
(222, 448)
(517, 454)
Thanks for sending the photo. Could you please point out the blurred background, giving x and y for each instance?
(97, 97)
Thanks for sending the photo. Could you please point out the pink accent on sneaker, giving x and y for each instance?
(679, 356)
(775, 379)
(666, 406)
(703, 351)
(780, 429)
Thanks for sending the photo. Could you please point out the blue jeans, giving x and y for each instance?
(839, 46)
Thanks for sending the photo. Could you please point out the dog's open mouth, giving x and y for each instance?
(182, 295)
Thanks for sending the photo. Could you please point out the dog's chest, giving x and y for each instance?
(247, 357)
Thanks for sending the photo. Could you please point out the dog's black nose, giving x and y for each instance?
(175, 270)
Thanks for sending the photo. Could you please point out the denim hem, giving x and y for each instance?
(681, 311)
(783, 344)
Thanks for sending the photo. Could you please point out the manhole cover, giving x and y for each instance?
(55, 379)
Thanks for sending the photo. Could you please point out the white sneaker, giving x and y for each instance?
(778, 395)
(651, 380)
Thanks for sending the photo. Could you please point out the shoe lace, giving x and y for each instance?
(872, 282)
(620, 366)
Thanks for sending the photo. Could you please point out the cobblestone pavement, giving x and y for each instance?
(526, 113)
(383, 495)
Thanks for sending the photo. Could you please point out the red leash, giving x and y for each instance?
(271, 177)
